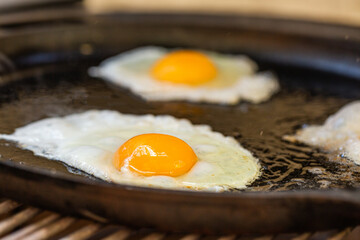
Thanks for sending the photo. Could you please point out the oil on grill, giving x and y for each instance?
(65, 89)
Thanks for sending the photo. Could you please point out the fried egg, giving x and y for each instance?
(158, 74)
(152, 151)
(340, 133)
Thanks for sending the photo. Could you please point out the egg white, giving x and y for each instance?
(340, 133)
(87, 141)
(236, 79)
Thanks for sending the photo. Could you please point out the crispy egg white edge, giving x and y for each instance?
(252, 87)
(27, 141)
(340, 133)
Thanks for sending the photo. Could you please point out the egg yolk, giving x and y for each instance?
(155, 154)
(184, 66)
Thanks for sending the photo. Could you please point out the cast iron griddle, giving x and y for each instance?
(301, 188)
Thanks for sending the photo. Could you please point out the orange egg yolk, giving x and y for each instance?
(184, 66)
(155, 154)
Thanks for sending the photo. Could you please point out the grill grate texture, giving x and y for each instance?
(64, 90)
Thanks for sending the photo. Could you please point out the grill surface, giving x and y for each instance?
(65, 89)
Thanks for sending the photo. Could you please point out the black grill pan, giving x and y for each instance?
(44, 74)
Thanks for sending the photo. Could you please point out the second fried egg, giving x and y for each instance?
(158, 74)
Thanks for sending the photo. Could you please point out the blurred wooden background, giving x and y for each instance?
(336, 11)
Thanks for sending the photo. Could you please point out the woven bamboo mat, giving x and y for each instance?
(18, 221)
